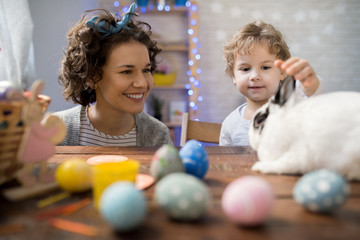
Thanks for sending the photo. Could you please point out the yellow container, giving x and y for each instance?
(161, 79)
(110, 172)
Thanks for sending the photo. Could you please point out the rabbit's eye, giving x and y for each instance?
(259, 119)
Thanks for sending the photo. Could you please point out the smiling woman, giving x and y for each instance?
(107, 68)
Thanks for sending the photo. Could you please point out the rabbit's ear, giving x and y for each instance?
(286, 88)
(260, 118)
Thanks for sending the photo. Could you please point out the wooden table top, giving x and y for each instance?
(287, 220)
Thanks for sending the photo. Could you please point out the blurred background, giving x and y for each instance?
(325, 32)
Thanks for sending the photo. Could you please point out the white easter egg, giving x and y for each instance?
(182, 196)
(321, 191)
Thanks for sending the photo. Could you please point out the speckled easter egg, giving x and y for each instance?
(165, 160)
(74, 175)
(321, 191)
(123, 206)
(182, 196)
(194, 158)
(247, 200)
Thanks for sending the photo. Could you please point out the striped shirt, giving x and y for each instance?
(90, 136)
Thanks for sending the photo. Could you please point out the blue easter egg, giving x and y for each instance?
(321, 191)
(194, 158)
(123, 206)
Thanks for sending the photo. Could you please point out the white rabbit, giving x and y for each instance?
(293, 135)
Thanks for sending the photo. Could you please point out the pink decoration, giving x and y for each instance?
(38, 146)
(247, 200)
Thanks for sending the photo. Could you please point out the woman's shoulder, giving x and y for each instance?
(71, 114)
(70, 111)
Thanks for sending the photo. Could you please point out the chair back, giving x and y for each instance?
(200, 131)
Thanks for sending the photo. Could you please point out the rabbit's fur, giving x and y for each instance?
(293, 135)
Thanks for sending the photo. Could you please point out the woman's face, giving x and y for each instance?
(126, 80)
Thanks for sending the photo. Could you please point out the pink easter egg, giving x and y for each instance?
(247, 200)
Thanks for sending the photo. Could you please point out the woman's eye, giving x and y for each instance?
(147, 70)
(126, 72)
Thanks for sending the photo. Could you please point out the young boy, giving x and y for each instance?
(257, 59)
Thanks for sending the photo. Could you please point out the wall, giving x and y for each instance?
(52, 19)
(326, 32)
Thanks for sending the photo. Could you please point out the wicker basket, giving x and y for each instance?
(12, 129)
(11, 133)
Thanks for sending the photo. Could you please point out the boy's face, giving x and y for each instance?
(255, 75)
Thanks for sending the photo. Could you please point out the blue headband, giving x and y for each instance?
(103, 27)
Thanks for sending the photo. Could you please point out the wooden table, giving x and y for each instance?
(288, 220)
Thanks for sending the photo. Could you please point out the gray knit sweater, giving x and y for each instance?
(150, 131)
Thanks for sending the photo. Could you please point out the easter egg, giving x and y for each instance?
(123, 206)
(74, 175)
(165, 160)
(321, 191)
(194, 158)
(247, 200)
(182, 196)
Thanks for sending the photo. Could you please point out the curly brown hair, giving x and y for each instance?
(87, 52)
(244, 40)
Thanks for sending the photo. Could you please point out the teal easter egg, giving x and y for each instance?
(166, 160)
(123, 206)
(182, 196)
(194, 158)
(321, 191)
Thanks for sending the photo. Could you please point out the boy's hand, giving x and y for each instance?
(302, 71)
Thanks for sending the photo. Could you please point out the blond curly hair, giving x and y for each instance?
(253, 33)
